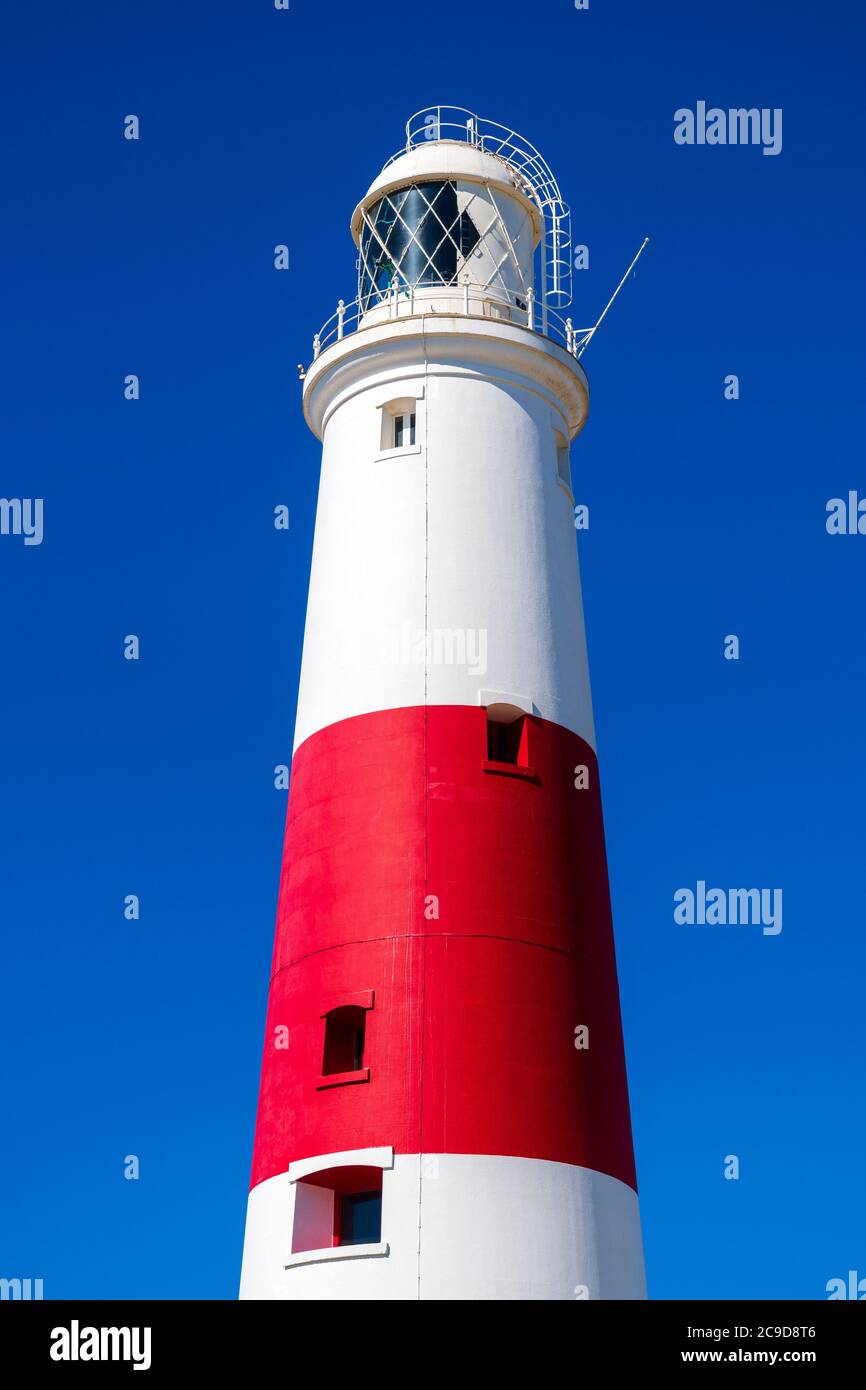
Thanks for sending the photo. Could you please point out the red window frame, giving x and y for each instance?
(360, 999)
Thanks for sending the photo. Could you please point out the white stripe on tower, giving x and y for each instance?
(472, 534)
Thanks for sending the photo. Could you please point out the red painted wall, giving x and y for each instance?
(470, 1041)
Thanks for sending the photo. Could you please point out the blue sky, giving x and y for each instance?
(707, 517)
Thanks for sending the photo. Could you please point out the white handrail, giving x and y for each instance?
(468, 301)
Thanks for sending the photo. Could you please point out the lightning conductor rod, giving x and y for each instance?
(589, 335)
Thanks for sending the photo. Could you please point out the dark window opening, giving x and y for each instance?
(563, 465)
(360, 1218)
(344, 1040)
(338, 1206)
(503, 740)
(469, 237)
(404, 431)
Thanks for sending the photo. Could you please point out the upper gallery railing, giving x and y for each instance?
(404, 302)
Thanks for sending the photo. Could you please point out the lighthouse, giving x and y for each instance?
(443, 1111)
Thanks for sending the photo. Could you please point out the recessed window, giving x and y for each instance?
(563, 467)
(344, 1040)
(399, 419)
(504, 740)
(360, 1220)
(510, 739)
(404, 431)
(338, 1206)
(563, 462)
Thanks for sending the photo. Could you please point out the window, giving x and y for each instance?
(404, 431)
(563, 462)
(344, 1040)
(509, 738)
(337, 1207)
(399, 427)
(504, 740)
(360, 1218)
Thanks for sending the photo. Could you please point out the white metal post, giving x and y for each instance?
(544, 282)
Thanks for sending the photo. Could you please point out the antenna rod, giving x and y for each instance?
(588, 337)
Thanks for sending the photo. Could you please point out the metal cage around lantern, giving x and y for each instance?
(535, 177)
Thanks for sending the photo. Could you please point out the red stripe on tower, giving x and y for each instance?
(479, 986)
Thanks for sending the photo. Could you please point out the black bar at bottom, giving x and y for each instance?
(154, 1338)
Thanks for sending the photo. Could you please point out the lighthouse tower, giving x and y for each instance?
(443, 1110)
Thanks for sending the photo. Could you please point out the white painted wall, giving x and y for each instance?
(492, 1228)
(470, 533)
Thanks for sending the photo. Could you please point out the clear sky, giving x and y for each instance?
(707, 518)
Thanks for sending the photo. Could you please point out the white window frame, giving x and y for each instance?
(349, 1158)
(407, 421)
(403, 399)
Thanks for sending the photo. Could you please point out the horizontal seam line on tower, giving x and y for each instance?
(413, 935)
